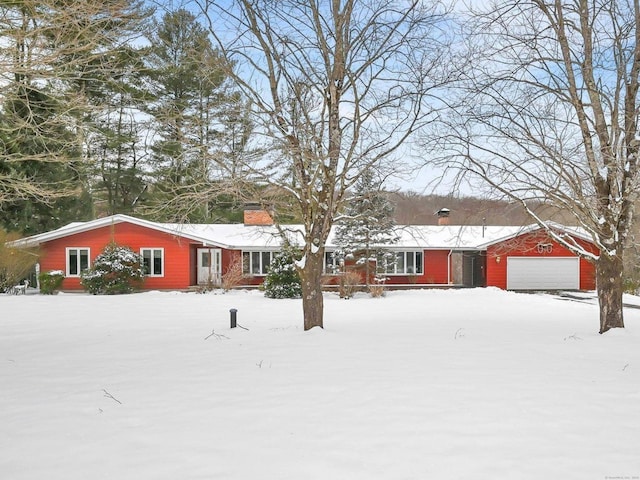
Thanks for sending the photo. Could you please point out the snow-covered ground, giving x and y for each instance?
(431, 384)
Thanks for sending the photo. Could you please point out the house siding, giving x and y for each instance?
(180, 256)
(179, 263)
(527, 246)
(437, 267)
(229, 257)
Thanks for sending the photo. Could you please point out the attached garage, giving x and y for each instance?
(543, 273)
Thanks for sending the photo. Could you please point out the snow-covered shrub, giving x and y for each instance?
(376, 290)
(116, 270)
(50, 282)
(282, 280)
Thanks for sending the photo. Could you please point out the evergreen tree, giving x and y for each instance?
(283, 280)
(115, 271)
(366, 226)
(117, 145)
(53, 192)
(196, 116)
(55, 55)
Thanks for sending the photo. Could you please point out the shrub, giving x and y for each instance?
(631, 285)
(376, 290)
(50, 282)
(116, 270)
(15, 263)
(234, 275)
(282, 280)
(349, 283)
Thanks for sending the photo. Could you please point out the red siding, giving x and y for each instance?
(435, 268)
(526, 246)
(179, 262)
(180, 258)
(231, 256)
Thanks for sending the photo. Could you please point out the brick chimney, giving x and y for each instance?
(443, 216)
(257, 216)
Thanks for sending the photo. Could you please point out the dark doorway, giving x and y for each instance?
(474, 267)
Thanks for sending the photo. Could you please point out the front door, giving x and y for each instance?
(209, 266)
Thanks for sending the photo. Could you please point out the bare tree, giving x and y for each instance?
(335, 86)
(549, 113)
(52, 55)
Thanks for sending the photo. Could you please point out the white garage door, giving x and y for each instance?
(543, 273)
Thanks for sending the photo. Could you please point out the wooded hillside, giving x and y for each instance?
(412, 208)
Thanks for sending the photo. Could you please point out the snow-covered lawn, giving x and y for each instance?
(431, 384)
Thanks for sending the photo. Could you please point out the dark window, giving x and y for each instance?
(152, 261)
(77, 261)
(256, 263)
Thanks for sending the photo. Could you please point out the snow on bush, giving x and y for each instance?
(282, 280)
(116, 270)
(50, 282)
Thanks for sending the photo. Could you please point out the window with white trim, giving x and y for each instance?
(77, 260)
(332, 262)
(152, 261)
(256, 263)
(406, 263)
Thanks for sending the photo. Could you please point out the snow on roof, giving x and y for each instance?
(456, 237)
(411, 236)
(240, 236)
(229, 235)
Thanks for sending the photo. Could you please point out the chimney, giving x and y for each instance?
(254, 216)
(443, 216)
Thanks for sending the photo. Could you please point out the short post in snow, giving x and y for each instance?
(234, 320)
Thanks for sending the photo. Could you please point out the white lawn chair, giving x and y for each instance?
(20, 288)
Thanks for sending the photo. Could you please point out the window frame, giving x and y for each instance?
(332, 265)
(248, 266)
(152, 263)
(416, 262)
(78, 265)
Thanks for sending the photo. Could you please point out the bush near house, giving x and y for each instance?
(115, 271)
(282, 280)
(234, 275)
(350, 282)
(15, 263)
(50, 282)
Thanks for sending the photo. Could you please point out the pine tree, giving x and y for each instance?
(56, 56)
(116, 146)
(282, 280)
(195, 116)
(366, 226)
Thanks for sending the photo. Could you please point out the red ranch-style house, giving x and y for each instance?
(184, 256)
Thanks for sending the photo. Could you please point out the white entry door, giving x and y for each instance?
(209, 266)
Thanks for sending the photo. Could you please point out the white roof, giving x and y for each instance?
(240, 236)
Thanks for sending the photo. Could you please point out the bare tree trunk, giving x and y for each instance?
(312, 301)
(610, 289)
(557, 83)
(320, 77)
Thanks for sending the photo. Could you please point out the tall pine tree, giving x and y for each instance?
(196, 117)
(54, 55)
(366, 226)
(117, 145)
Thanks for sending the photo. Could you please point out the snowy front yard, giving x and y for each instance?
(441, 384)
